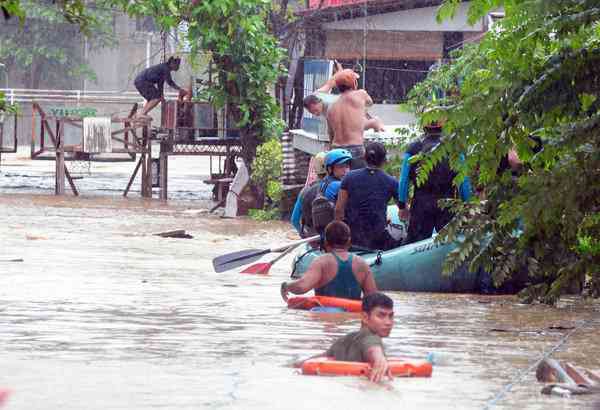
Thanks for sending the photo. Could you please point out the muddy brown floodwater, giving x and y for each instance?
(101, 314)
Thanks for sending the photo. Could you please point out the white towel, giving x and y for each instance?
(97, 135)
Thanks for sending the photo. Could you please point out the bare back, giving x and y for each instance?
(327, 267)
(346, 118)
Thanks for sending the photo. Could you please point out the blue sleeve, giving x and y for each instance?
(403, 183)
(297, 214)
(332, 190)
(465, 187)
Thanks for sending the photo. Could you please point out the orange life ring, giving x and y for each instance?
(309, 302)
(328, 366)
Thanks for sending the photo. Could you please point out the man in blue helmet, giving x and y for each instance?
(337, 164)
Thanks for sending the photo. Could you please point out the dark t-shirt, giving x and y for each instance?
(353, 347)
(369, 191)
(157, 74)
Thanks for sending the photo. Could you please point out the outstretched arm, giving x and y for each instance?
(379, 364)
(368, 284)
(374, 123)
(171, 83)
(327, 87)
(307, 282)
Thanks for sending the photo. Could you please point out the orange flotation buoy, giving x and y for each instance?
(328, 366)
(309, 302)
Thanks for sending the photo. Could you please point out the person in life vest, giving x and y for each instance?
(425, 214)
(338, 273)
(363, 199)
(365, 345)
(337, 164)
(301, 217)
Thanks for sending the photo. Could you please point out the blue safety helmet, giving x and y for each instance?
(337, 156)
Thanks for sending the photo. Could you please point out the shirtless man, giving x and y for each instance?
(346, 118)
(319, 102)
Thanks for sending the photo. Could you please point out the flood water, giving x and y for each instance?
(102, 314)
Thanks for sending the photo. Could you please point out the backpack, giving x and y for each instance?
(323, 210)
(308, 196)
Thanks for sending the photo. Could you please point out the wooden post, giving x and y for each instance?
(59, 185)
(135, 171)
(146, 164)
(163, 164)
(149, 163)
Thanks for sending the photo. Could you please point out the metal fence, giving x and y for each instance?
(25, 95)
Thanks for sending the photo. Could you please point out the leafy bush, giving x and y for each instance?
(267, 167)
(535, 77)
(264, 214)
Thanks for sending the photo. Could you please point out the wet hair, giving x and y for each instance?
(337, 233)
(375, 153)
(310, 100)
(343, 88)
(174, 61)
(545, 373)
(376, 299)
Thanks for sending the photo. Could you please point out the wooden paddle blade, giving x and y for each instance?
(258, 269)
(237, 259)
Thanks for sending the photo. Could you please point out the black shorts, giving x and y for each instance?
(148, 90)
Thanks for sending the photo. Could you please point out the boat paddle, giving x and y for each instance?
(237, 259)
(262, 268)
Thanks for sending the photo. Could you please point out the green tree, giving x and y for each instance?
(534, 77)
(48, 47)
(247, 56)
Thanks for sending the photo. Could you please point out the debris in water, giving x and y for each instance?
(179, 233)
(35, 238)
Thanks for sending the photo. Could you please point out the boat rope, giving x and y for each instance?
(528, 370)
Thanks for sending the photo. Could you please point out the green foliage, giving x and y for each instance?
(536, 75)
(267, 168)
(264, 214)
(47, 44)
(245, 53)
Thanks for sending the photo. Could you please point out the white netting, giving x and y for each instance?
(79, 168)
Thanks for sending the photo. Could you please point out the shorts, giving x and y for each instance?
(148, 90)
(358, 155)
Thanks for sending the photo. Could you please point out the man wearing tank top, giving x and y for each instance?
(338, 273)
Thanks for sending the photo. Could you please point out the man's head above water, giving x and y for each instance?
(378, 313)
